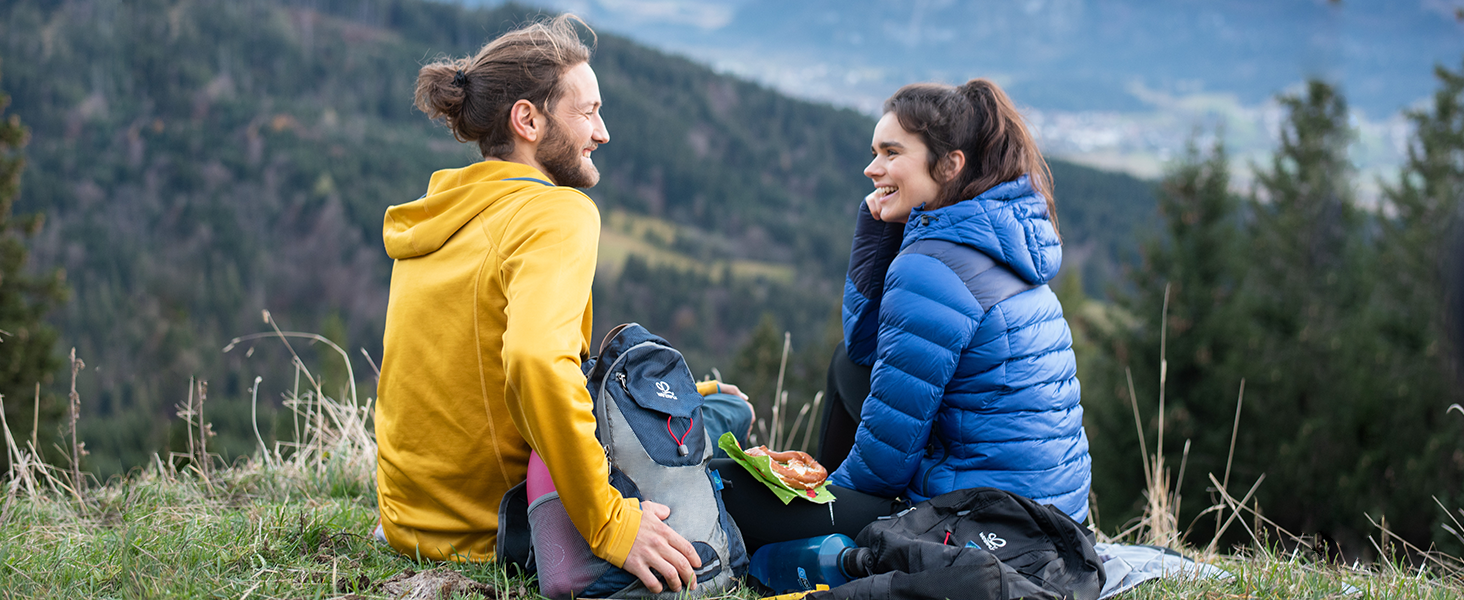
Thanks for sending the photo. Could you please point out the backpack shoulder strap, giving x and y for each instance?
(988, 281)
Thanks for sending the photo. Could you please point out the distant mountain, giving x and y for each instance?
(200, 162)
(1071, 55)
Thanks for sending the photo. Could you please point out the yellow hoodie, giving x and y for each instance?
(487, 322)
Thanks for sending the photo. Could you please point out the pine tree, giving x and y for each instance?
(27, 357)
(1426, 203)
(1321, 404)
(1199, 262)
(1414, 436)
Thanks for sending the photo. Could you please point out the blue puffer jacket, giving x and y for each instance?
(963, 396)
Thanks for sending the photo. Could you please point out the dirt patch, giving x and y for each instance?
(442, 583)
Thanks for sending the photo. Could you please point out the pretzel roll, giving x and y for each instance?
(797, 469)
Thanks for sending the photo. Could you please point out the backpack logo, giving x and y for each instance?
(992, 542)
(663, 390)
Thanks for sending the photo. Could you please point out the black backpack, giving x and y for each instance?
(974, 544)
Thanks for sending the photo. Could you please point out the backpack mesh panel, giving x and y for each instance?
(564, 559)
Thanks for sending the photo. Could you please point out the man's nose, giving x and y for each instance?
(601, 134)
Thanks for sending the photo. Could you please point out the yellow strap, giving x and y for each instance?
(796, 595)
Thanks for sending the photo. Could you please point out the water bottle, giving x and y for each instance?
(800, 565)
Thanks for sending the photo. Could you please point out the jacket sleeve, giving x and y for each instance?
(549, 264)
(924, 324)
(875, 245)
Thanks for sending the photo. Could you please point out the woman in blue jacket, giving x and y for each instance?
(973, 380)
(959, 370)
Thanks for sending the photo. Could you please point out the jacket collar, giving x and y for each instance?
(1008, 222)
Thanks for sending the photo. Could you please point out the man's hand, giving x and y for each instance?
(659, 549)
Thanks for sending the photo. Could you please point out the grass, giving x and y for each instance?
(253, 531)
(295, 521)
(266, 532)
(624, 234)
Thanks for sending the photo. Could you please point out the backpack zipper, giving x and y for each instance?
(602, 412)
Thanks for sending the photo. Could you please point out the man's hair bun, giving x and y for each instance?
(473, 96)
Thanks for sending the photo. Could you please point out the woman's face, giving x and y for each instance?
(901, 179)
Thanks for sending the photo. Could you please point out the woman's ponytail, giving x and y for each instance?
(978, 119)
(1004, 148)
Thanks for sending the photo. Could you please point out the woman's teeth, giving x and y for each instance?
(885, 191)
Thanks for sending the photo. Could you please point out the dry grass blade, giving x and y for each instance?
(813, 415)
(1163, 368)
(254, 419)
(1177, 500)
(1450, 564)
(327, 423)
(1228, 500)
(77, 449)
(1159, 516)
(793, 431)
(204, 431)
(779, 398)
(36, 418)
(15, 462)
(377, 370)
(27, 470)
(1160, 521)
(1139, 427)
(1229, 458)
(186, 413)
(1457, 527)
(1237, 506)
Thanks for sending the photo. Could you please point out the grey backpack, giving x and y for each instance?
(648, 416)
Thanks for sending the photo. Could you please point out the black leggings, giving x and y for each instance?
(764, 519)
(848, 386)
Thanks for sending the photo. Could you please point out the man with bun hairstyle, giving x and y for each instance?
(489, 317)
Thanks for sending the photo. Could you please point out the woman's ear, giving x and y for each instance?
(950, 166)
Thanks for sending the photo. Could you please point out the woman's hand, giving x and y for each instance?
(872, 201)
(727, 388)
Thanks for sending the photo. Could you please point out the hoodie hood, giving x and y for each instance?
(454, 197)
(1008, 222)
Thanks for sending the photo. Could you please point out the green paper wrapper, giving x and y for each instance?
(762, 468)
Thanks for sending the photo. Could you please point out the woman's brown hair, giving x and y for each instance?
(979, 120)
(474, 95)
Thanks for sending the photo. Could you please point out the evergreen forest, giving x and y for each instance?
(191, 165)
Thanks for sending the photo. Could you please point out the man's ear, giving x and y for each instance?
(950, 166)
(526, 120)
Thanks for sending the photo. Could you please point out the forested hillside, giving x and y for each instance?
(199, 162)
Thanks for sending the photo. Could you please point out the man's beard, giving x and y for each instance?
(561, 159)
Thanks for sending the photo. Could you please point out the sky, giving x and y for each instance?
(1120, 84)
